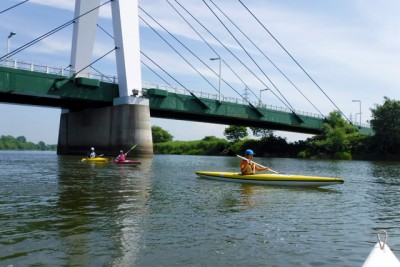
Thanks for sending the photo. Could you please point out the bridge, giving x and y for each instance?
(25, 83)
(90, 102)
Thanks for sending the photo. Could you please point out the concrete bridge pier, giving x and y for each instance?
(107, 129)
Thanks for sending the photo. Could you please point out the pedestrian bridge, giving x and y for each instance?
(27, 84)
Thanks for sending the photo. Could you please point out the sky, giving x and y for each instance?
(350, 48)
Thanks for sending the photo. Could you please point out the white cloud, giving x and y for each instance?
(60, 4)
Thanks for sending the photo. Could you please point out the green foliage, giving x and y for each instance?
(208, 146)
(338, 139)
(7, 142)
(268, 146)
(342, 155)
(303, 154)
(386, 124)
(160, 135)
(235, 133)
(261, 132)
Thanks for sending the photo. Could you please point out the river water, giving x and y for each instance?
(58, 211)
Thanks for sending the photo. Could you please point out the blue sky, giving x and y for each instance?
(349, 47)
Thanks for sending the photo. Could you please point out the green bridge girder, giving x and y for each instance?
(41, 89)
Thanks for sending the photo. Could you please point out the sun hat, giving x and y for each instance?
(249, 152)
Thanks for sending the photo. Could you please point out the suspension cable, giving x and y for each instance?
(159, 76)
(94, 61)
(258, 48)
(5, 10)
(190, 92)
(298, 64)
(190, 52)
(176, 51)
(106, 32)
(222, 44)
(23, 47)
(198, 34)
(248, 54)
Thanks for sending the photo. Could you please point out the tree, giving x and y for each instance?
(338, 137)
(386, 124)
(160, 135)
(261, 132)
(235, 133)
(21, 139)
(41, 145)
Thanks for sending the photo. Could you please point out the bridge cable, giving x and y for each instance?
(103, 75)
(257, 47)
(173, 47)
(190, 92)
(248, 54)
(89, 65)
(224, 47)
(198, 34)
(175, 79)
(62, 69)
(159, 76)
(298, 64)
(101, 28)
(231, 54)
(23, 47)
(189, 51)
(5, 10)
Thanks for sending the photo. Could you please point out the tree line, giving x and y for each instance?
(8, 142)
(339, 139)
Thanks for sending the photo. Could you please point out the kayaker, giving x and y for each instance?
(91, 154)
(121, 156)
(248, 166)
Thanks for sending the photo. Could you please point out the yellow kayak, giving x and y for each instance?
(272, 179)
(95, 160)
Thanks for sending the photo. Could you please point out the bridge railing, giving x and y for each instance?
(67, 72)
(207, 95)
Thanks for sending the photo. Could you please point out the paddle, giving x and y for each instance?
(133, 147)
(256, 164)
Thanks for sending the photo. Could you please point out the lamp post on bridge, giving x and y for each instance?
(219, 75)
(9, 42)
(266, 89)
(359, 101)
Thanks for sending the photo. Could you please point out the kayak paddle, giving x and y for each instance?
(257, 164)
(133, 147)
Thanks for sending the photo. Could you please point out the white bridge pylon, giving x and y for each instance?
(125, 22)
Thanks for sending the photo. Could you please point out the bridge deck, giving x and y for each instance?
(55, 90)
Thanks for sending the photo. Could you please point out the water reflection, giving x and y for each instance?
(56, 211)
(104, 199)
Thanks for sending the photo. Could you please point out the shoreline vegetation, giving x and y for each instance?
(339, 139)
(8, 142)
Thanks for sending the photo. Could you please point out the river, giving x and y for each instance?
(59, 211)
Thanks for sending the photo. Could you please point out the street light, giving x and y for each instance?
(266, 89)
(359, 101)
(219, 83)
(9, 42)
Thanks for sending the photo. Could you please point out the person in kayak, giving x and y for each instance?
(248, 166)
(91, 154)
(121, 157)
